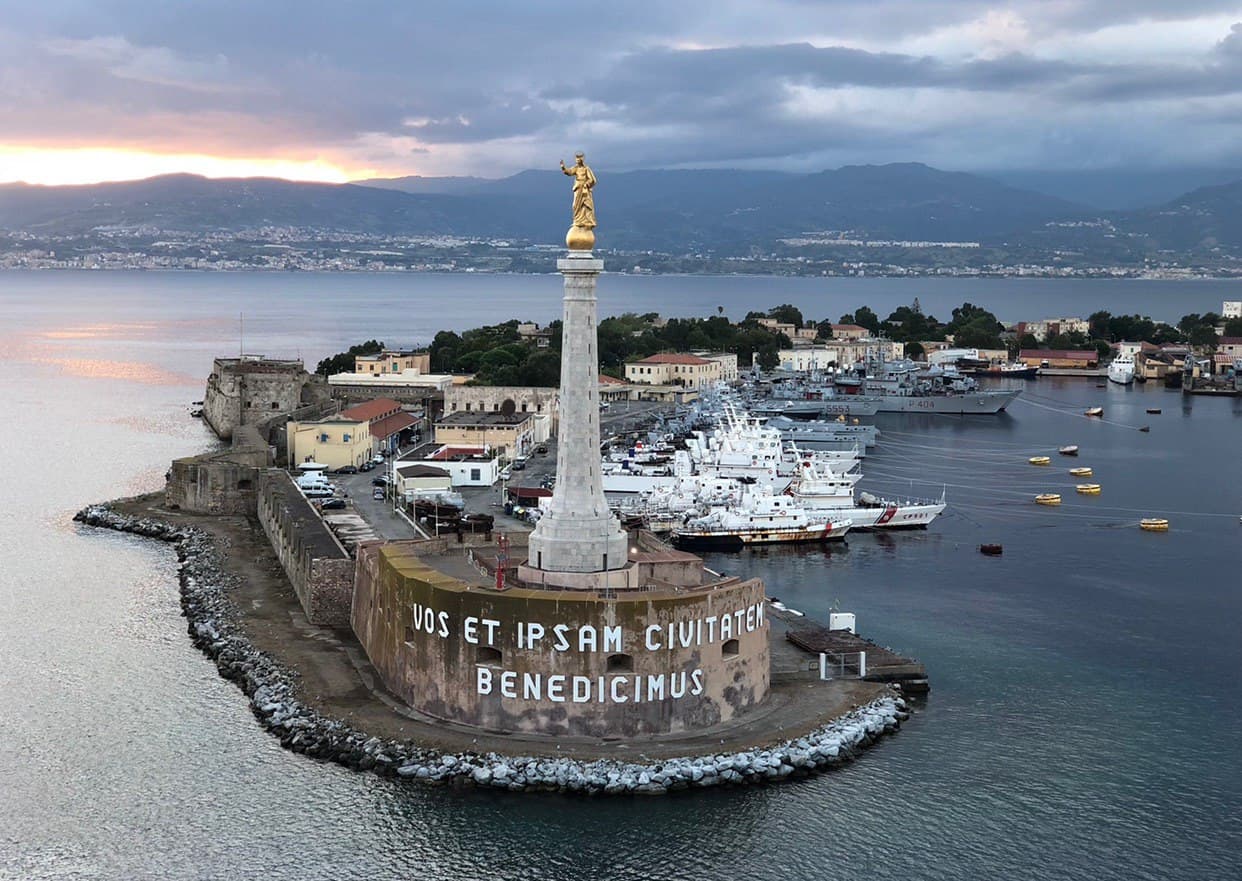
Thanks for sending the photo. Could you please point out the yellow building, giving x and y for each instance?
(687, 371)
(334, 442)
(393, 362)
(511, 434)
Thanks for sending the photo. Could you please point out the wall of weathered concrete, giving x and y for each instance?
(321, 572)
(414, 622)
(222, 482)
(492, 398)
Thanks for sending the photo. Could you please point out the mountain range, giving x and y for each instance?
(731, 212)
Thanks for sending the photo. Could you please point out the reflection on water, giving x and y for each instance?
(131, 371)
(1081, 723)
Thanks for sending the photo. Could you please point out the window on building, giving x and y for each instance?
(620, 663)
(729, 648)
(476, 474)
(345, 438)
(275, 405)
(488, 656)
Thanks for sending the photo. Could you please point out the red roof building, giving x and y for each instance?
(369, 411)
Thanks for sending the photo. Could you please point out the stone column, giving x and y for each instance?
(578, 533)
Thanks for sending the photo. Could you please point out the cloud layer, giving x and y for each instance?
(488, 88)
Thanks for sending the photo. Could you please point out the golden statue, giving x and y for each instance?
(581, 236)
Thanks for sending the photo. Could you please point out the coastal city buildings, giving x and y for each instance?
(683, 369)
(393, 362)
(838, 353)
(1060, 358)
(510, 434)
(538, 400)
(336, 442)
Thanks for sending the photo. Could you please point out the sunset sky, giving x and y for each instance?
(96, 90)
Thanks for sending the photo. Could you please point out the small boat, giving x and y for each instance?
(1080, 472)
(1071, 450)
(1088, 489)
(1154, 524)
(991, 550)
(1048, 499)
(1145, 428)
(1094, 411)
(1040, 460)
(1154, 411)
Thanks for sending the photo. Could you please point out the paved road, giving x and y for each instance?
(377, 512)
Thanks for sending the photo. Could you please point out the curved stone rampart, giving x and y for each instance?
(550, 662)
(213, 628)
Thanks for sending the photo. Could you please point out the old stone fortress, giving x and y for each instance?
(576, 629)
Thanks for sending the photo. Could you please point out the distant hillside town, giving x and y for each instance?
(899, 219)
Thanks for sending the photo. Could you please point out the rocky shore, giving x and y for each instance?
(214, 629)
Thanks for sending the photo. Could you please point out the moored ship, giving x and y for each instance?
(758, 519)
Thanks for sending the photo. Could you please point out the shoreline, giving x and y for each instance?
(214, 627)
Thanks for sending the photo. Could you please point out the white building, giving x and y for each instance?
(1231, 309)
(838, 353)
(466, 465)
(727, 362)
(392, 383)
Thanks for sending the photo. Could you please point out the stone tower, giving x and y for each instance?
(578, 534)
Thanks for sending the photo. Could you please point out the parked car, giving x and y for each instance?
(379, 481)
(332, 504)
(542, 449)
(518, 465)
(348, 469)
(378, 493)
(505, 473)
(318, 492)
(367, 466)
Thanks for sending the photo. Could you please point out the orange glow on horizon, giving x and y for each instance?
(88, 165)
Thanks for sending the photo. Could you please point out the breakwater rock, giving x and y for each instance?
(214, 628)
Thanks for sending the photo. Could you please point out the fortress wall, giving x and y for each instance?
(469, 654)
(221, 482)
(491, 398)
(248, 391)
(320, 570)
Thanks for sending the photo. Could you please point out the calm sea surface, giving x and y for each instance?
(1084, 720)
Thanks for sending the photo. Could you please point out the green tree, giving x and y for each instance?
(908, 323)
(1203, 337)
(914, 350)
(1097, 324)
(443, 350)
(343, 362)
(863, 317)
(823, 330)
(786, 314)
(768, 357)
(1233, 327)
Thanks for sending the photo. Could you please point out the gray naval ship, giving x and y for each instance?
(886, 387)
